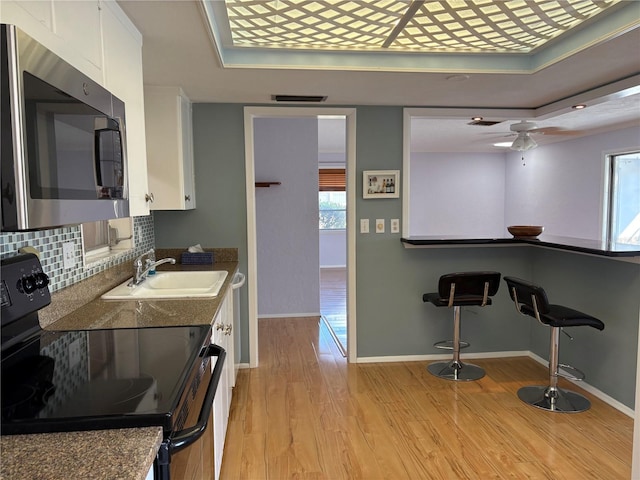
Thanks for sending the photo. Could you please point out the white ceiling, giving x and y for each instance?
(178, 50)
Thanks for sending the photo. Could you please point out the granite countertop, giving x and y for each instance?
(125, 454)
(115, 454)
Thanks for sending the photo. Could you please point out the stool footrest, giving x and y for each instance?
(578, 376)
(448, 345)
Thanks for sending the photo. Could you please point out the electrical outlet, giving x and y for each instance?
(380, 225)
(68, 258)
(74, 353)
(364, 225)
(395, 225)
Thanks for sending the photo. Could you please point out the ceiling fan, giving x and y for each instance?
(523, 131)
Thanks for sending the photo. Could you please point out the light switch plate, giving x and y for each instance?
(380, 225)
(395, 225)
(364, 225)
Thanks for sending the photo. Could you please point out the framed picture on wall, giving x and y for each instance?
(381, 184)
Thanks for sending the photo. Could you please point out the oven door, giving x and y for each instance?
(188, 454)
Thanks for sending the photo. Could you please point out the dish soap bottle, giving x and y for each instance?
(151, 259)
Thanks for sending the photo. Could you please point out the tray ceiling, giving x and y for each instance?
(481, 26)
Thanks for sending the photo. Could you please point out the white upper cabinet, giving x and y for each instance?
(123, 78)
(169, 148)
(69, 29)
(97, 38)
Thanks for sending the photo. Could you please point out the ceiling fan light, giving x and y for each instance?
(523, 142)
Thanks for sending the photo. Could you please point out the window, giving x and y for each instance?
(105, 239)
(332, 198)
(623, 213)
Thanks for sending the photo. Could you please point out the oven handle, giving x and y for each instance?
(186, 437)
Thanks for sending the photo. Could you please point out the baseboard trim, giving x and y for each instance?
(440, 356)
(525, 353)
(289, 315)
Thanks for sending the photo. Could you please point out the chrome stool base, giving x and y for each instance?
(456, 371)
(558, 400)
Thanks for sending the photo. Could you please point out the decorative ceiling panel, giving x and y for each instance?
(478, 26)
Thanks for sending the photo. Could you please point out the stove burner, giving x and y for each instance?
(27, 387)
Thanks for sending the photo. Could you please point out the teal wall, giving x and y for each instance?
(392, 320)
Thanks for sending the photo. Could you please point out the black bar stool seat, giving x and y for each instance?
(456, 290)
(531, 300)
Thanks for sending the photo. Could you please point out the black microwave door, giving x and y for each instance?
(108, 158)
(74, 151)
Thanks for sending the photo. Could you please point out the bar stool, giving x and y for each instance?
(532, 300)
(458, 290)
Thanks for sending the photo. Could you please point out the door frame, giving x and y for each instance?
(250, 113)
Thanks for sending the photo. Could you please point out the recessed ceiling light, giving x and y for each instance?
(476, 119)
(579, 106)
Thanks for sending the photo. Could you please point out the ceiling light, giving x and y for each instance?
(579, 107)
(523, 142)
(476, 119)
(503, 144)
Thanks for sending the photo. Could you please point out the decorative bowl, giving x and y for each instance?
(525, 230)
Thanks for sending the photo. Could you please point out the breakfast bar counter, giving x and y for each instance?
(578, 245)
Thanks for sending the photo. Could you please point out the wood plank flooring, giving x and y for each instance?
(306, 413)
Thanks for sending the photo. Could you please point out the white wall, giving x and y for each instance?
(333, 248)
(457, 194)
(561, 185)
(286, 150)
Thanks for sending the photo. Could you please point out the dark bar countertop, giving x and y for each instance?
(581, 245)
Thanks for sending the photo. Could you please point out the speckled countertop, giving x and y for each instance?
(107, 454)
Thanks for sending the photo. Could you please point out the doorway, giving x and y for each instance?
(250, 115)
(332, 196)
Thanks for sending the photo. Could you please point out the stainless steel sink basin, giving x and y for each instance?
(171, 285)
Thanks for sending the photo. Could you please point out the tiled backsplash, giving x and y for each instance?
(49, 244)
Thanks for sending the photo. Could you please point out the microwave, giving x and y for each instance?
(62, 148)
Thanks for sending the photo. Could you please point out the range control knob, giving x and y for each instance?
(28, 284)
(42, 279)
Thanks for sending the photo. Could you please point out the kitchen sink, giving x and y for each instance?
(171, 285)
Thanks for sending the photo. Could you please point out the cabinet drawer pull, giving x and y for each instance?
(227, 329)
(148, 197)
(187, 198)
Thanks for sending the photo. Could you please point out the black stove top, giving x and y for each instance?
(97, 379)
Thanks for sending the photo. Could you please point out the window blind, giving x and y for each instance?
(332, 180)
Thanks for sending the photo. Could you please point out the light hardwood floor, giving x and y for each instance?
(306, 413)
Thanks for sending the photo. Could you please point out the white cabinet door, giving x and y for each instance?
(230, 342)
(72, 30)
(123, 78)
(220, 401)
(169, 148)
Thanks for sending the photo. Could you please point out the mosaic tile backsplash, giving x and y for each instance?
(49, 244)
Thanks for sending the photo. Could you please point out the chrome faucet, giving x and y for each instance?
(139, 274)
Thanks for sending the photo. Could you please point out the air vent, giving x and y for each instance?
(483, 123)
(299, 98)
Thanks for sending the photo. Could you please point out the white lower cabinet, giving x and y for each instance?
(223, 336)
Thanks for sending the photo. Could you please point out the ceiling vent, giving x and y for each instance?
(483, 123)
(299, 98)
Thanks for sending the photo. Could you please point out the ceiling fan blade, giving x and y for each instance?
(554, 131)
